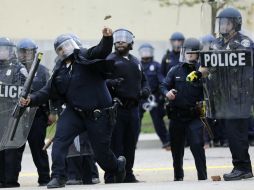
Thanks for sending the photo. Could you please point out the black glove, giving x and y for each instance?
(116, 82)
(144, 93)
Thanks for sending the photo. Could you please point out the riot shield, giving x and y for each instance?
(12, 79)
(80, 146)
(228, 89)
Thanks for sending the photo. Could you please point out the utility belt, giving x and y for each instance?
(182, 113)
(128, 103)
(110, 112)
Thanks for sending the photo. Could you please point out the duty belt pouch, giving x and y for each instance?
(171, 112)
(181, 114)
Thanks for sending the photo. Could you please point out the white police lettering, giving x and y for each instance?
(225, 59)
(10, 91)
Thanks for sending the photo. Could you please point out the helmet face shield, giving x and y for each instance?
(66, 48)
(176, 44)
(224, 25)
(26, 55)
(6, 52)
(123, 36)
(187, 57)
(146, 52)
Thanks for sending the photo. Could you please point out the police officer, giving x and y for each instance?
(152, 71)
(10, 73)
(182, 111)
(131, 87)
(228, 25)
(79, 80)
(171, 58)
(26, 50)
(81, 167)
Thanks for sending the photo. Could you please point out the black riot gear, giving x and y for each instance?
(228, 20)
(26, 50)
(64, 46)
(76, 39)
(177, 36)
(123, 35)
(7, 49)
(189, 45)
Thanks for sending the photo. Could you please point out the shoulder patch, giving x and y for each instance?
(151, 68)
(245, 43)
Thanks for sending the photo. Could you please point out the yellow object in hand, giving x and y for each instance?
(192, 76)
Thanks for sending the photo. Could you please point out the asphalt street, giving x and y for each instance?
(153, 167)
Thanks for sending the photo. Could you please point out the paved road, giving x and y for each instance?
(154, 168)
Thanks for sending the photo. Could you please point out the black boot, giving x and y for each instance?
(10, 185)
(121, 172)
(130, 178)
(178, 179)
(56, 183)
(237, 175)
(109, 178)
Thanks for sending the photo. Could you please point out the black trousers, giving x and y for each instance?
(124, 138)
(10, 166)
(36, 140)
(237, 134)
(193, 130)
(71, 124)
(82, 168)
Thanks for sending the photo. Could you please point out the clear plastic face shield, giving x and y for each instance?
(6, 53)
(206, 46)
(123, 36)
(224, 26)
(146, 52)
(176, 44)
(65, 49)
(26, 56)
(187, 57)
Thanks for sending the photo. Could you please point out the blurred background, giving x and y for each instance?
(150, 20)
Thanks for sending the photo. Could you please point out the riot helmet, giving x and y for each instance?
(7, 49)
(176, 41)
(190, 45)
(229, 20)
(64, 46)
(26, 50)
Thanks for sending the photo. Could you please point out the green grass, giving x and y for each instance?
(147, 125)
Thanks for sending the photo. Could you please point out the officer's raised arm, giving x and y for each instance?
(104, 48)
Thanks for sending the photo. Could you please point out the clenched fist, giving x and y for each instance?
(107, 31)
(25, 102)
